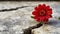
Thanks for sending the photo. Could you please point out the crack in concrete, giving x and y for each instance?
(29, 30)
(3, 10)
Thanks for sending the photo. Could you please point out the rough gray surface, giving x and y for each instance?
(13, 22)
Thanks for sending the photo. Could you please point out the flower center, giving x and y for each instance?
(42, 12)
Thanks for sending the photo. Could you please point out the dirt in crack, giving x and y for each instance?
(28, 30)
(3, 10)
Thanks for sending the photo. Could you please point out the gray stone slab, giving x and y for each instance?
(13, 22)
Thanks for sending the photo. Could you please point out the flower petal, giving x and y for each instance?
(36, 8)
(34, 13)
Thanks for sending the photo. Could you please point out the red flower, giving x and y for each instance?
(42, 13)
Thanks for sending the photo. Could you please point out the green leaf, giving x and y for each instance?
(42, 22)
(59, 18)
(32, 17)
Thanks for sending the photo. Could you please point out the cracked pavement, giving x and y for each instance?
(16, 16)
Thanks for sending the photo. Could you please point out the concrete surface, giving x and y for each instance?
(14, 21)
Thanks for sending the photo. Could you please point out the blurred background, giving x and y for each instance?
(29, 0)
